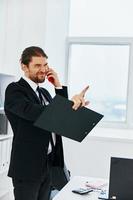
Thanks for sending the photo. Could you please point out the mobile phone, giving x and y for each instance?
(51, 79)
(82, 190)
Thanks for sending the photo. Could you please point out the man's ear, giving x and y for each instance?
(23, 67)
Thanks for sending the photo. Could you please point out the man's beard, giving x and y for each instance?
(37, 80)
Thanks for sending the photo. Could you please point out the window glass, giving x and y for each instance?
(105, 69)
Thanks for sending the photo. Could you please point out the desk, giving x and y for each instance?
(77, 182)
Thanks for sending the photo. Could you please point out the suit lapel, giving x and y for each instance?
(27, 88)
(30, 91)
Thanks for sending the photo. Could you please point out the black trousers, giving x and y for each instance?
(33, 189)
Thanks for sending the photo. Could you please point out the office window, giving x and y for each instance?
(100, 53)
(106, 65)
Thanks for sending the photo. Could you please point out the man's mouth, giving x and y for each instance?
(42, 74)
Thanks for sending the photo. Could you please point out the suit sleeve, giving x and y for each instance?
(63, 92)
(17, 103)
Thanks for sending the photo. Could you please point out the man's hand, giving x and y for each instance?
(53, 78)
(79, 100)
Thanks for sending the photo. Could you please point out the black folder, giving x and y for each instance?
(60, 118)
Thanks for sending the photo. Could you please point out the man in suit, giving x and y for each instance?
(34, 151)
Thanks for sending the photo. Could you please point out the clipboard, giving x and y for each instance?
(60, 118)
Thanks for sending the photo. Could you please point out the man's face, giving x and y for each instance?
(37, 69)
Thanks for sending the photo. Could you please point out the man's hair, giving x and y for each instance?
(29, 52)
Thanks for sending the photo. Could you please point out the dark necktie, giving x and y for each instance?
(43, 103)
(40, 95)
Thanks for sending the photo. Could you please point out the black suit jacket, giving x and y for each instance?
(30, 144)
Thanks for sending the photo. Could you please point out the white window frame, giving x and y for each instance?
(128, 124)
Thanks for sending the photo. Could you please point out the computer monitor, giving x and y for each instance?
(121, 179)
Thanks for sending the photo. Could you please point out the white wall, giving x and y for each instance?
(56, 33)
(91, 157)
(22, 25)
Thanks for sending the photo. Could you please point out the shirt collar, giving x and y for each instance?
(32, 84)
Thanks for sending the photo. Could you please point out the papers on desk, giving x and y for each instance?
(79, 182)
(96, 184)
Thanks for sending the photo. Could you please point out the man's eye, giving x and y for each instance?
(37, 66)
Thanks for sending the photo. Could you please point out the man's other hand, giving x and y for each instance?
(79, 100)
